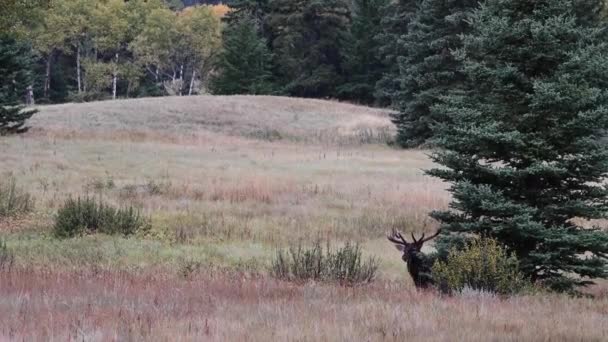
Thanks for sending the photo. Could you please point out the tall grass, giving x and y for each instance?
(13, 200)
(7, 257)
(157, 306)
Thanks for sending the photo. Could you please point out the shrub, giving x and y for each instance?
(344, 265)
(481, 265)
(81, 216)
(13, 200)
(7, 257)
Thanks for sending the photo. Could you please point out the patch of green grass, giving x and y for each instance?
(131, 253)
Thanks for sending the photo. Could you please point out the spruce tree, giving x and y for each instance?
(396, 16)
(428, 68)
(244, 65)
(524, 145)
(308, 39)
(15, 78)
(254, 9)
(363, 65)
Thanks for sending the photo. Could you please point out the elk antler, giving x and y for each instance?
(397, 238)
(423, 240)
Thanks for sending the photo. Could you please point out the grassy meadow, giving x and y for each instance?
(225, 182)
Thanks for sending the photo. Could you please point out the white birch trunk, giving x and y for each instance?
(192, 82)
(181, 78)
(29, 96)
(115, 79)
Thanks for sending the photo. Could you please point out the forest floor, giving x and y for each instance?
(226, 182)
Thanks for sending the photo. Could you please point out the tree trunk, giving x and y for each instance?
(181, 78)
(78, 74)
(192, 81)
(47, 77)
(115, 78)
(29, 96)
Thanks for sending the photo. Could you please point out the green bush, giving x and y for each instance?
(481, 265)
(344, 265)
(87, 216)
(13, 200)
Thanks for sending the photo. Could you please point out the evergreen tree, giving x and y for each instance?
(15, 78)
(363, 66)
(428, 68)
(308, 39)
(523, 146)
(253, 9)
(396, 16)
(245, 62)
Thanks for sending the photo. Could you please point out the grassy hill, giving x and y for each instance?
(226, 181)
(181, 118)
(252, 173)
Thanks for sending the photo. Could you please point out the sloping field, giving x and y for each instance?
(183, 118)
(229, 178)
(226, 181)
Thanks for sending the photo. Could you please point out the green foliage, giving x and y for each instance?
(15, 12)
(13, 200)
(308, 40)
(245, 61)
(523, 142)
(344, 265)
(363, 67)
(88, 216)
(428, 69)
(396, 16)
(98, 78)
(254, 9)
(481, 265)
(15, 78)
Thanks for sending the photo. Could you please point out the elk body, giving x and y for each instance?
(418, 264)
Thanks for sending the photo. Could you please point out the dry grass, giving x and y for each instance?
(121, 306)
(226, 181)
(199, 119)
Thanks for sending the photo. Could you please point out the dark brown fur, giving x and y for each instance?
(417, 262)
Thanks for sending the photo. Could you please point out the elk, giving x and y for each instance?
(418, 264)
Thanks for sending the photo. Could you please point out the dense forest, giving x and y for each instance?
(88, 50)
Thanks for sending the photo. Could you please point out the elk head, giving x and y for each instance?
(417, 263)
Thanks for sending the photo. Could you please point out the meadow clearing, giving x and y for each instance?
(226, 181)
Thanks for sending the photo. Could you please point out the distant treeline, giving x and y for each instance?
(398, 53)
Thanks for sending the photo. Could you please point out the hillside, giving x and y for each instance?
(180, 118)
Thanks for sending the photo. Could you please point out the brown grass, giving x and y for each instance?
(120, 306)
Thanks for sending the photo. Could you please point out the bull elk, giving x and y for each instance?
(418, 264)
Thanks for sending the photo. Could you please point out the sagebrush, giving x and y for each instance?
(344, 265)
(87, 215)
